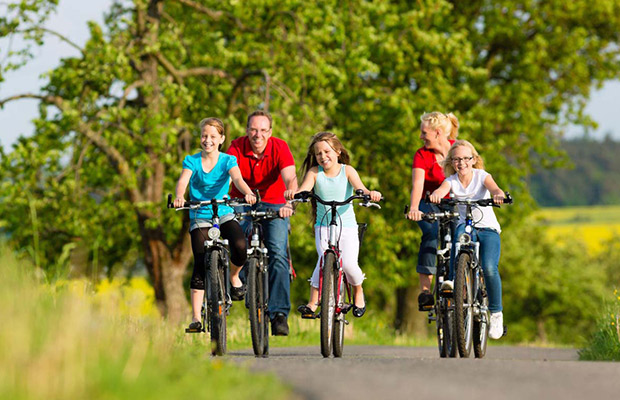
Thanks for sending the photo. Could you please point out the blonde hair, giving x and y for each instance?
(447, 123)
(448, 167)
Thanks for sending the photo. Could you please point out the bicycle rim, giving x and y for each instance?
(328, 305)
(218, 304)
(255, 304)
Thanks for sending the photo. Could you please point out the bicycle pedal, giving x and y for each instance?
(309, 316)
(346, 308)
(190, 330)
(425, 308)
(346, 322)
(447, 293)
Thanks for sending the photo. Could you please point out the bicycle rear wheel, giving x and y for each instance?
(217, 276)
(463, 301)
(445, 328)
(482, 321)
(257, 308)
(340, 321)
(328, 304)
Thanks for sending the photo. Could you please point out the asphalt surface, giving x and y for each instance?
(385, 372)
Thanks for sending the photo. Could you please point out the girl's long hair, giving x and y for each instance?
(310, 160)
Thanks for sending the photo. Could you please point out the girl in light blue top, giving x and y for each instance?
(328, 173)
(208, 175)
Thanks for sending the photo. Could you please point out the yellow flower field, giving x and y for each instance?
(594, 225)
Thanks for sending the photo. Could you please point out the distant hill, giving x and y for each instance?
(594, 180)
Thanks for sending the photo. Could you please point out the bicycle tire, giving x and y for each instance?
(449, 337)
(328, 305)
(481, 323)
(256, 306)
(463, 299)
(339, 320)
(217, 278)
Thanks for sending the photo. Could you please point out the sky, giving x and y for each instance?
(70, 20)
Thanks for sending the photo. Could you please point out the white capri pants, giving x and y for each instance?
(349, 245)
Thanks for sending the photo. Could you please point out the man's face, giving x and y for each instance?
(258, 132)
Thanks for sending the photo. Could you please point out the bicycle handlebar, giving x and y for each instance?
(193, 204)
(269, 214)
(303, 197)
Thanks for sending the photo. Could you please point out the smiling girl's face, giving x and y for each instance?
(325, 155)
(462, 160)
(210, 139)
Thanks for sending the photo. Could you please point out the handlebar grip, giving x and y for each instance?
(170, 201)
(508, 199)
(406, 210)
(257, 194)
(359, 192)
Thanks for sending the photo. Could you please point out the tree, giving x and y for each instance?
(116, 121)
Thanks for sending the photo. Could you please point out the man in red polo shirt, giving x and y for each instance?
(267, 164)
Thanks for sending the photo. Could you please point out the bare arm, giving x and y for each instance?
(417, 186)
(356, 182)
(290, 182)
(235, 175)
(440, 192)
(306, 185)
(182, 183)
(494, 189)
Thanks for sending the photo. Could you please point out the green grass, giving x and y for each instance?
(64, 341)
(605, 344)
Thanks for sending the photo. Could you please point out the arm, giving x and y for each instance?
(440, 192)
(235, 175)
(493, 188)
(182, 183)
(356, 182)
(290, 182)
(306, 185)
(417, 186)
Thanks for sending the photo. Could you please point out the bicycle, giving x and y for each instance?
(332, 280)
(257, 275)
(442, 312)
(217, 301)
(471, 303)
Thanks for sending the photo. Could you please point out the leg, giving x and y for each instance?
(196, 296)
(427, 257)
(349, 252)
(232, 231)
(490, 249)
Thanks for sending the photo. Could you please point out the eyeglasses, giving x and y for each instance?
(459, 159)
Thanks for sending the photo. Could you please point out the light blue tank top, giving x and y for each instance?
(337, 188)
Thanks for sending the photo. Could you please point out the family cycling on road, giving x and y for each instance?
(262, 170)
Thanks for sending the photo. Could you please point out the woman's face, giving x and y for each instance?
(325, 155)
(210, 139)
(430, 136)
(462, 160)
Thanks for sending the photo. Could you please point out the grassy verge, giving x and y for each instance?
(605, 344)
(63, 341)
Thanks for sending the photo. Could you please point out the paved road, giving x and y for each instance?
(386, 373)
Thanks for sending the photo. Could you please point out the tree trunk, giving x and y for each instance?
(408, 320)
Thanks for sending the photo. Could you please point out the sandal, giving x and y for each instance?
(306, 312)
(194, 327)
(358, 311)
(237, 293)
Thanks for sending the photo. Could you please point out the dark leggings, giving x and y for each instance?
(232, 231)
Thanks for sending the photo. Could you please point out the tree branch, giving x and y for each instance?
(216, 15)
(179, 75)
(58, 35)
(57, 101)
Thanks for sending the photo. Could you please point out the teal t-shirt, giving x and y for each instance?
(205, 186)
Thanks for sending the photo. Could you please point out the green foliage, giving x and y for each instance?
(592, 178)
(117, 120)
(605, 342)
(79, 345)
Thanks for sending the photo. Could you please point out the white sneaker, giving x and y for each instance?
(496, 330)
(447, 286)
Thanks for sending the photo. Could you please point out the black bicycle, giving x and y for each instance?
(442, 312)
(257, 276)
(217, 301)
(332, 280)
(471, 303)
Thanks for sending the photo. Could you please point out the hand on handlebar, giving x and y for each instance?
(433, 198)
(498, 198)
(250, 198)
(178, 202)
(289, 194)
(286, 211)
(375, 195)
(414, 215)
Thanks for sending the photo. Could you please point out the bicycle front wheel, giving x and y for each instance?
(217, 279)
(257, 308)
(339, 321)
(463, 302)
(328, 304)
(446, 337)
(482, 321)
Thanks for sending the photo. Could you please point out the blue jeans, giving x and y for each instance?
(275, 232)
(490, 249)
(427, 256)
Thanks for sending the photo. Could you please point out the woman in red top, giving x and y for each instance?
(438, 131)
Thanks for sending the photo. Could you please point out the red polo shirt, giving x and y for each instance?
(433, 173)
(263, 174)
